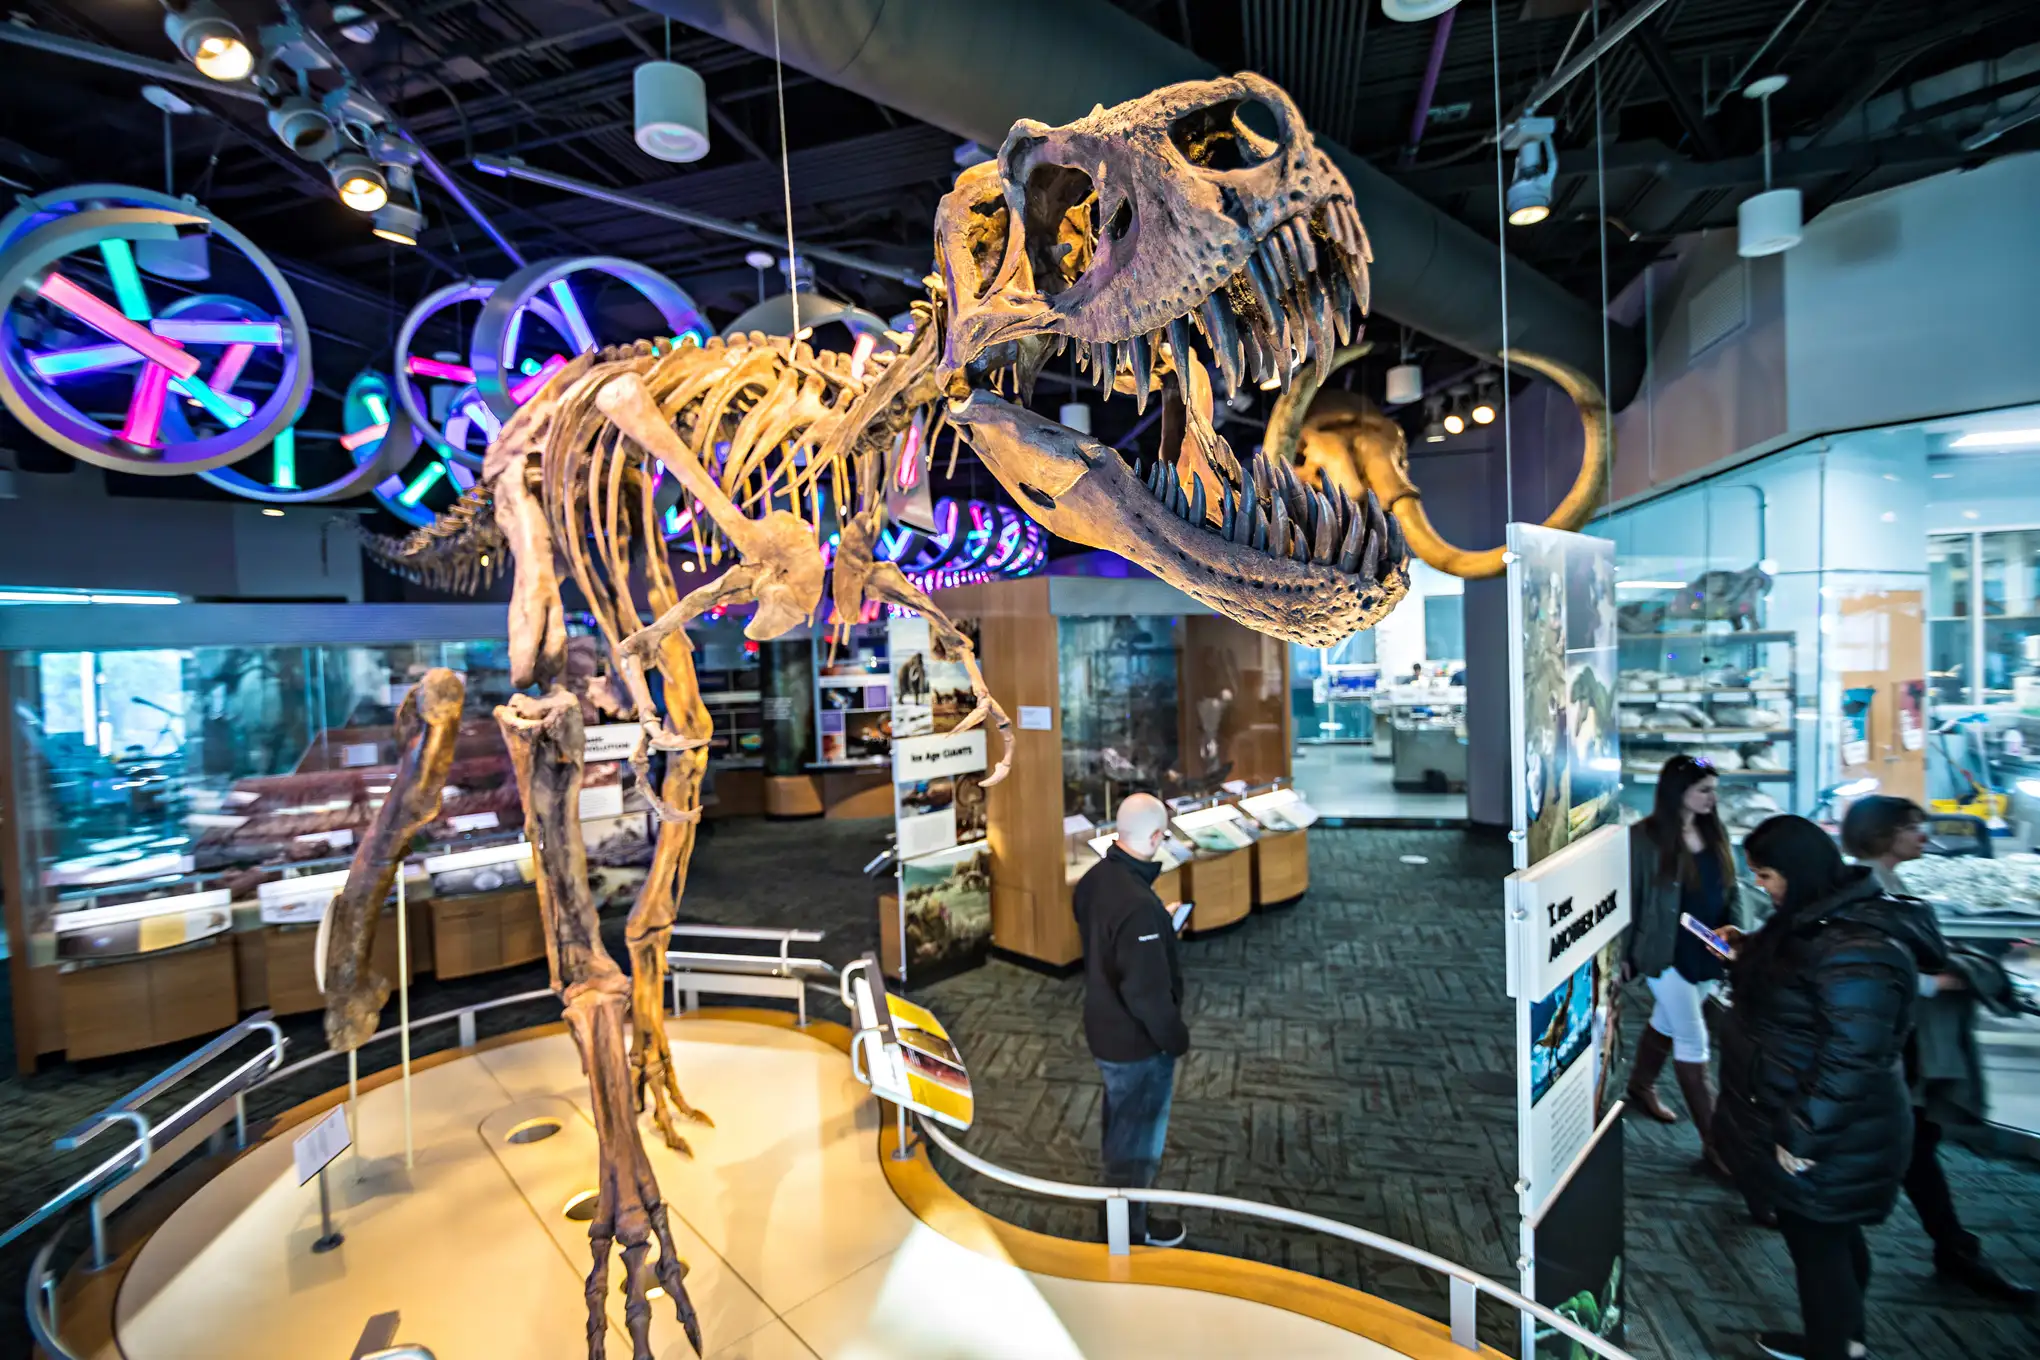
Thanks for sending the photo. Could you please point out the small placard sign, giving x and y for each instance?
(610, 741)
(321, 1143)
(1036, 718)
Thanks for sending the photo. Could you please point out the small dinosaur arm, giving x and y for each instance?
(1341, 440)
(428, 725)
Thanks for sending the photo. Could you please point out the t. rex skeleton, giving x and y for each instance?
(1134, 234)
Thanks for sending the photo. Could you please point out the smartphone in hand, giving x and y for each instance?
(1707, 937)
(1179, 915)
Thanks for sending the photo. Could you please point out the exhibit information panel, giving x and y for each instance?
(945, 867)
(901, 1051)
(1567, 909)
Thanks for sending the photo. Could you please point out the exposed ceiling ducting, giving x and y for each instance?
(975, 68)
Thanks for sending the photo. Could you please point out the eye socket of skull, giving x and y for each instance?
(1059, 224)
(1230, 134)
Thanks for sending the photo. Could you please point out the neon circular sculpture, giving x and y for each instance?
(65, 346)
(427, 384)
(492, 353)
(284, 487)
(976, 537)
(412, 479)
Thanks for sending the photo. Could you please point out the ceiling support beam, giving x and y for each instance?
(1650, 46)
(531, 174)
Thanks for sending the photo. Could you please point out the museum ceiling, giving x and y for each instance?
(1881, 92)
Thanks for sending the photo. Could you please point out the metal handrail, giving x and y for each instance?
(1466, 1284)
(465, 1015)
(39, 1305)
(148, 1135)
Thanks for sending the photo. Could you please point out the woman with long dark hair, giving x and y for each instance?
(1679, 862)
(1943, 1063)
(1815, 1120)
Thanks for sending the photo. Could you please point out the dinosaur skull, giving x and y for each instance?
(1197, 228)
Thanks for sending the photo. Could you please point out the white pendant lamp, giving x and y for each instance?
(1405, 384)
(1415, 11)
(671, 112)
(1767, 223)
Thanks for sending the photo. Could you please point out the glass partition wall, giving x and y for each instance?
(1881, 587)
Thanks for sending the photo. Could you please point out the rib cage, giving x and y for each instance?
(734, 403)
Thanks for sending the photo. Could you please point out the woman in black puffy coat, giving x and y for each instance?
(1815, 1119)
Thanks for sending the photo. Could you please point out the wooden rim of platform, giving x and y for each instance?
(930, 1199)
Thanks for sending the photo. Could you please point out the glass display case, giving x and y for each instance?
(182, 773)
(1993, 905)
(1120, 722)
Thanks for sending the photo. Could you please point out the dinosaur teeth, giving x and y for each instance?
(1228, 511)
(1278, 527)
(1271, 258)
(1138, 355)
(1377, 537)
(1323, 537)
(1260, 534)
(1302, 244)
(1197, 515)
(1349, 547)
(1179, 345)
(1398, 550)
(1217, 322)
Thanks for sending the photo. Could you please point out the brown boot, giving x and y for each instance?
(1651, 1051)
(1699, 1093)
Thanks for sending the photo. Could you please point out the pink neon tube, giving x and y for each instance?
(527, 389)
(145, 408)
(110, 323)
(227, 371)
(439, 368)
(364, 435)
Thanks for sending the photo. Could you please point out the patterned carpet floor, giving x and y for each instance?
(1351, 1059)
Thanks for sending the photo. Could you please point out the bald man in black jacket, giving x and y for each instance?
(1133, 1005)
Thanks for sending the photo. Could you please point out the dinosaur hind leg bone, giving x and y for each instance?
(545, 741)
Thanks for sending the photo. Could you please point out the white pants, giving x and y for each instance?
(1677, 1014)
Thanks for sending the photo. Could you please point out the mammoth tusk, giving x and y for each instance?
(1426, 544)
(1285, 417)
(1597, 438)
(1572, 513)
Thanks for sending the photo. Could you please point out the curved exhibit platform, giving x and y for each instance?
(805, 1239)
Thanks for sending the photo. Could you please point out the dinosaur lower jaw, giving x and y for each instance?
(1339, 567)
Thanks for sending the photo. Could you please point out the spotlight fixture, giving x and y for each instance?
(1483, 411)
(208, 39)
(359, 180)
(399, 223)
(1434, 428)
(300, 124)
(1770, 222)
(1455, 420)
(1529, 197)
(671, 112)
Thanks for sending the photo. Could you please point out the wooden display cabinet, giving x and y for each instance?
(1281, 867)
(275, 963)
(481, 932)
(1220, 889)
(157, 999)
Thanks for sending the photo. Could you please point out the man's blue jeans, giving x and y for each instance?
(1137, 1100)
